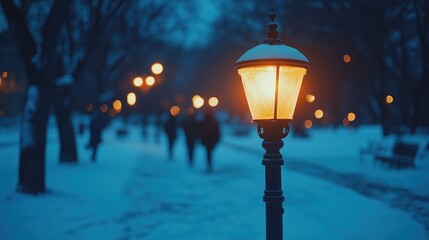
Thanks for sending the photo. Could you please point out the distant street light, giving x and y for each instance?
(347, 58)
(117, 105)
(157, 68)
(272, 73)
(104, 108)
(138, 81)
(308, 123)
(150, 81)
(351, 116)
(4, 74)
(310, 98)
(175, 110)
(213, 101)
(318, 114)
(131, 99)
(197, 101)
(389, 99)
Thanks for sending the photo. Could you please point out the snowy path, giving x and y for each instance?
(416, 204)
(135, 192)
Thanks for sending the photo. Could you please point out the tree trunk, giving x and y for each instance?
(421, 100)
(68, 152)
(33, 141)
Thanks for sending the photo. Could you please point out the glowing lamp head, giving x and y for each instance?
(272, 73)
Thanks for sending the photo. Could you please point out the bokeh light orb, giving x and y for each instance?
(308, 123)
(117, 105)
(351, 116)
(131, 99)
(138, 81)
(310, 98)
(157, 68)
(347, 58)
(104, 108)
(389, 99)
(150, 81)
(175, 110)
(213, 101)
(318, 114)
(197, 101)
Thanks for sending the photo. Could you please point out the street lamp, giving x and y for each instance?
(272, 74)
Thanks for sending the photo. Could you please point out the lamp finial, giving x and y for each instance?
(272, 33)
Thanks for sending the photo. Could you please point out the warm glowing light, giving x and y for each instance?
(138, 81)
(0, 81)
(117, 105)
(346, 122)
(347, 58)
(104, 108)
(389, 99)
(195, 97)
(150, 81)
(310, 98)
(351, 116)
(175, 110)
(213, 101)
(308, 123)
(318, 114)
(89, 107)
(197, 101)
(131, 98)
(4, 74)
(260, 87)
(157, 68)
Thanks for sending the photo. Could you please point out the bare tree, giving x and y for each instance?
(421, 96)
(41, 76)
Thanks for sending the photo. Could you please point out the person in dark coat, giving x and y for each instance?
(209, 135)
(190, 129)
(96, 126)
(170, 128)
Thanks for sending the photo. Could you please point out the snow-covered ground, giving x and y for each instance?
(134, 192)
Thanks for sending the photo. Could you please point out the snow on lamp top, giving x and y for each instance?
(273, 54)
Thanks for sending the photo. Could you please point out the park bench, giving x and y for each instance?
(403, 155)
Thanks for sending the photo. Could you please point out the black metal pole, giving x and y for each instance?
(272, 132)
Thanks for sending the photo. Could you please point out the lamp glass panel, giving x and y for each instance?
(259, 86)
(290, 79)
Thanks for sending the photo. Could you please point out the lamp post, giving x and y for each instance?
(272, 73)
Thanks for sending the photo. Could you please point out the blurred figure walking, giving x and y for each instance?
(209, 135)
(190, 127)
(170, 128)
(96, 126)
